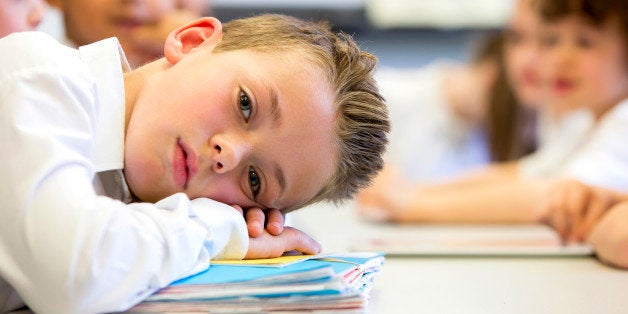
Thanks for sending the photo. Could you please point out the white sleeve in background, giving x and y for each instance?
(603, 161)
(63, 248)
(427, 140)
(560, 140)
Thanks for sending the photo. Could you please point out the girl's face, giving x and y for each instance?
(584, 65)
(522, 51)
(20, 15)
(87, 21)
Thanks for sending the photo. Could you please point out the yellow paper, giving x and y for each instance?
(271, 262)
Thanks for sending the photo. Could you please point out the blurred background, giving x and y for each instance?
(402, 33)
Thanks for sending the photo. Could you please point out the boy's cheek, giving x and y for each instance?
(224, 192)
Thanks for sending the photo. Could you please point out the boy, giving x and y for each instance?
(140, 26)
(271, 113)
(20, 16)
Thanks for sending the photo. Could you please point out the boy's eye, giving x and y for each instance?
(245, 105)
(254, 181)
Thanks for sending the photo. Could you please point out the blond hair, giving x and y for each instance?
(362, 118)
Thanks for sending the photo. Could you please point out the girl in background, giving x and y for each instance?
(20, 16)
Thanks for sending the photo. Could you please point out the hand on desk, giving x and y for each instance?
(389, 198)
(574, 209)
(269, 238)
(598, 216)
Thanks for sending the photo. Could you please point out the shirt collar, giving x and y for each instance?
(106, 62)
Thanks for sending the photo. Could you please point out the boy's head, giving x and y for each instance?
(20, 16)
(585, 48)
(87, 21)
(270, 111)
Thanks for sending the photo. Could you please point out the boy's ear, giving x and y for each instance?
(205, 32)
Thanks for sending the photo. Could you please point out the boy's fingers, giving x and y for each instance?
(274, 221)
(299, 241)
(254, 221)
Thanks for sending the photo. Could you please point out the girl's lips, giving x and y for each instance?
(563, 85)
(128, 24)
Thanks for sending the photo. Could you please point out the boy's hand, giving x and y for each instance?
(573, 208)
(256, 219)
(267, 245)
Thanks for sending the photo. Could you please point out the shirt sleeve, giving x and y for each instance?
(65, 249)
(603, 161)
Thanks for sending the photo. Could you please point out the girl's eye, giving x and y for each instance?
(245, 105)
(254, 181)
(549, 40)
(584, 42)
(513, 37)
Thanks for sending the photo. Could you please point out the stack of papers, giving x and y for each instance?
(334, 282)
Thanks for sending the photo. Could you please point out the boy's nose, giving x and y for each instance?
(228, 153)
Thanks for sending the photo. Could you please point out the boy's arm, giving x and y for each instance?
(63, 248)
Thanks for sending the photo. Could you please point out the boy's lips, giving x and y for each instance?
(183, 164)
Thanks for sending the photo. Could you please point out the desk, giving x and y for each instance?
(473, 284)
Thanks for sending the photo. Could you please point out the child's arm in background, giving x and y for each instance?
(596, 215)
(497, 195)
(610, 236)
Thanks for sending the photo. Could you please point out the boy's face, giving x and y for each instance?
(239, 127)
(584, 65)
(522, 51)
(20, 15)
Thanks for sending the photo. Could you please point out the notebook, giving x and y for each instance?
(468, 240)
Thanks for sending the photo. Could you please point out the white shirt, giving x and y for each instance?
(603, 160)
(64, 247)
(559, 140)
(427, 141)
(593, 152)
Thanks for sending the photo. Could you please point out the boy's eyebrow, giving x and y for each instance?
(274, 104)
